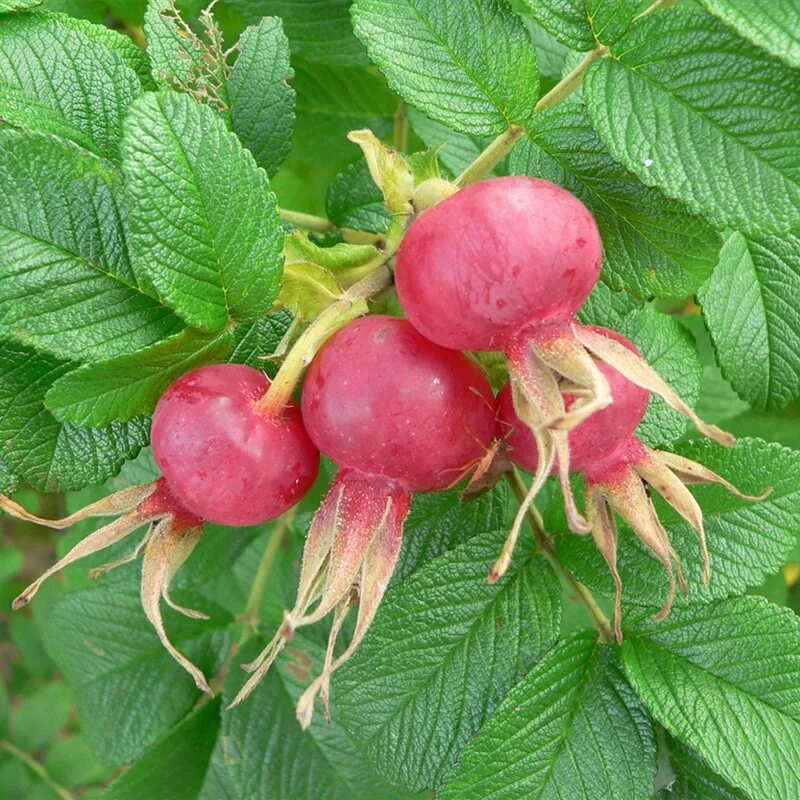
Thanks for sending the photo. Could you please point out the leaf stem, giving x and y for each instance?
(308, 222)
(400, 131)
(352, 304)
(491, 156)
(600, 620)
(570, 82)
(38, 768)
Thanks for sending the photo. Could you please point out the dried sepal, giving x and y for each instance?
(102, 538)
(638, 371)
(116, 503)
(168, 548)
(351, 550)
(604, 532)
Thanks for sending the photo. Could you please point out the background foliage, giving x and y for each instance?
(140, 236)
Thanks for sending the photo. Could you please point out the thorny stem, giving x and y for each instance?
(36, 767)
(569, 83)
(583, 594)
(352, 304)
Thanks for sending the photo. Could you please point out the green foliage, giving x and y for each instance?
(141, 237)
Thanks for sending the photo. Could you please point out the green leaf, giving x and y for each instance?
(457, 150)
(262, 102)
(572, 728)
(750, 305)
(440, 521)
(260, 339)
(694, 779)
(581, 24)
(50, 455)
(129, 385)
(607, 307)
(113, 40)
(723, 678)
(318, 30)
(204, 226)
(66, 285)
(104, 646)
(652, 246)
(354, 201)
(40, 717)
(444, 648)
(469, 64)
(746, 541)
(55, 78)
(175, 767)
(551, 55)
(5, 706)
(264, 755)
(71, 763)
(710, 120)
(331, 102)
(771, 26)
(7, 6)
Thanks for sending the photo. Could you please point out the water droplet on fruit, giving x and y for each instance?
(501, 303)
(580, 242)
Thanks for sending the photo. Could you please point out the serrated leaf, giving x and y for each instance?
(691, 109)
(354, 201)
(750, 305)
(66, 285)
(129, 385)
(260, 339)
(318, 30)
(572, 728)
(456, 150)
(651, 245)
(606, 307)
(7, 6)
(331, 102)
(695, 780)
(50, 455)
(264, 755)
(444, 648)
(101, 641)
(551, 54)
(746, 541)
(113, 40)
(582, 24)
(771, 26)
(55, 78)
(183, 755)
(466, 63)
(204, 225)
(262, 102)
(723, 678)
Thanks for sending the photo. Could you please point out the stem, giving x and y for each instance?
(583, 594)
(400, 132)
(491, 156)
(307, 222)
(351, 305)
(36, 767)
(569, 83)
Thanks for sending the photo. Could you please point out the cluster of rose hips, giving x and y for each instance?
(501, 265)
